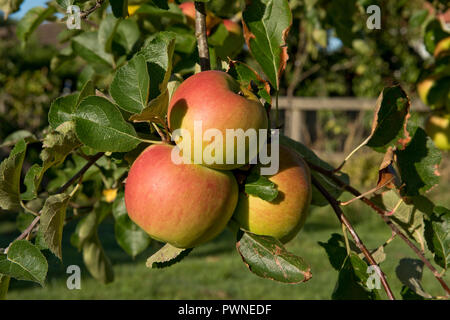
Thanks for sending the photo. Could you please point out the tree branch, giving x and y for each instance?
(26, 232)
(200, 33)
(86, 13)
(385, 216)
(340, 214)
(80, 173)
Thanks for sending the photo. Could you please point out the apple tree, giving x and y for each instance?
(134, 55)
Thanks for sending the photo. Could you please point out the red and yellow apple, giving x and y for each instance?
(216, 101)
(184, 205)
(437, 126)
(283, 217)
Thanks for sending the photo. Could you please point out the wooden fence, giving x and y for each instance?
(296, 106)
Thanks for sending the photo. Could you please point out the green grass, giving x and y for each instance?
(215, 270)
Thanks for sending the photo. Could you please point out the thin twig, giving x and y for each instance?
(200, 33)
(86, 13)
(340, 214)
(80, 173)
(26, 232)
(385, 216)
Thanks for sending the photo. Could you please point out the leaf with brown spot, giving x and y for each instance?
(247, 76)
(387, 175)
(266, 257)
(266, 25)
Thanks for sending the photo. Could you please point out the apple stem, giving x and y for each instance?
(200, 33)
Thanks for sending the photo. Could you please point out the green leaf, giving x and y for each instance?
(174, 13)
(10, 170)
(100, 125)
(51, 226)
(266, 257)
(31, 182)
(86, 239)
(129, 236)
(266, 25)
(18, 135)
(166, 256)
(119, 8)
(31, 20)
(158, 52)
(351, 284)
(4, 285)
(437, 233)
(86, 45)
(96, 261)
(433, 34)
(408, 294)
(24, 262)
(161, 4)
(260, 186)
(389, 124)
(127, 34)
(62, 109)
(418, 18)
(131, 84)
(418, 162)
(57, 145)
(247, 76)
(157, 109)
(107, 30)
(65, 3)
(408, 218)
(23, 220)
(409, 272)
(219, 36)
(87, 90)
(9, 6)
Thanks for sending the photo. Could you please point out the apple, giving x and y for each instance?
(215, 99)
(435, 91)
(188, 9)
(283, 217)
(442, 46)
(184, 205)
(234, 41)
(437, 126)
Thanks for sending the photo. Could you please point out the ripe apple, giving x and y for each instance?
(217, 100)
(188, 9)
(442, 46)
(437, 126)
(234, 41)
(184, 205)
(283, 217)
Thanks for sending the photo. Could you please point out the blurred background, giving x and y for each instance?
(337, 67)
